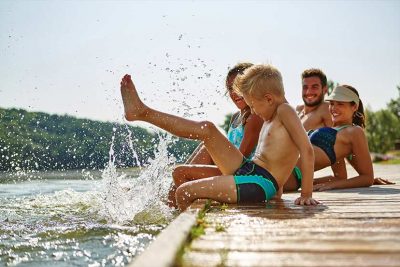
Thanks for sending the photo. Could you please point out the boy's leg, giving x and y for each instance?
(218, 188)
(227, 157)
(171, 199)
(186, 173)
(200, 156)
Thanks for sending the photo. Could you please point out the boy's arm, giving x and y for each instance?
(293, 125)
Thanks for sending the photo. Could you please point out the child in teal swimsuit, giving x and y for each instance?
(346, 139)
(243, 133)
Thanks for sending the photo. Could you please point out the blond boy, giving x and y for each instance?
(282, 139)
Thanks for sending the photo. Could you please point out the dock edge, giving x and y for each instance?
(163, 251)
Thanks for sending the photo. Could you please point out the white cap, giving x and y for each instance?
(343, 94)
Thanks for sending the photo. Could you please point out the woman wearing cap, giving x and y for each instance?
(346, 139)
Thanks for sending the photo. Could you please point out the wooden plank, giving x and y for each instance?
(353, 227)
(227, 258)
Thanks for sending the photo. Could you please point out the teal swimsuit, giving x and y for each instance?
(235, 135)
(254, 183)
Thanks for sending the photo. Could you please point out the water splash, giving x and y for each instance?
(128, 200)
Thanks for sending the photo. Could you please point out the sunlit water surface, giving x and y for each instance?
(82, 218)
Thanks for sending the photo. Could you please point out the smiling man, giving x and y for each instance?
(315, 111)
(314, 114)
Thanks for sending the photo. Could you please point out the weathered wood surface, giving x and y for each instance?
(352, 227)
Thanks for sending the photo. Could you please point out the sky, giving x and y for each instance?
(68, 57)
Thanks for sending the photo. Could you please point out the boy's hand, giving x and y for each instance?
(307, 201)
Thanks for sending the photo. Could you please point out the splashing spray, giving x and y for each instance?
(139, 199)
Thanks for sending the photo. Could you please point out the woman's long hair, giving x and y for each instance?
(358, 116)
(236, 70)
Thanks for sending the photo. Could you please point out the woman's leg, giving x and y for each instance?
(227, 157)
(218, 188)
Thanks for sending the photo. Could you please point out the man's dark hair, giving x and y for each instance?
(315, 72)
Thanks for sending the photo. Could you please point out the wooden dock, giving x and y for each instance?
(352, 227)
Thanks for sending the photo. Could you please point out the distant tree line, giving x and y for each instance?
(383, 126)
(40, 141)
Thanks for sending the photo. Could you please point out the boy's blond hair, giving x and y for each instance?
(259, 80)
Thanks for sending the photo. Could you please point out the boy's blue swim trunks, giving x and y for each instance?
(254, 183)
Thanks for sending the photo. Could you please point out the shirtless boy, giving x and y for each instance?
(282, 139)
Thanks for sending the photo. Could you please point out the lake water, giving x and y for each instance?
(81, 218)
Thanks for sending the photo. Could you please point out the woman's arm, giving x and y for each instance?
(339, 173)
(250, 137)
(361, 162)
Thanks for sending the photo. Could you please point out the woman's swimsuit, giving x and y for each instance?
(235, 136)
(254, 183)
(324, 138)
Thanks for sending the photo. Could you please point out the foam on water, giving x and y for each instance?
(142, 199)
(97, 222)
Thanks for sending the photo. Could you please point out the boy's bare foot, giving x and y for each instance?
(134, 107)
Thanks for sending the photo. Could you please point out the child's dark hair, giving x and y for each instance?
(358, 117)
(315, 72)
